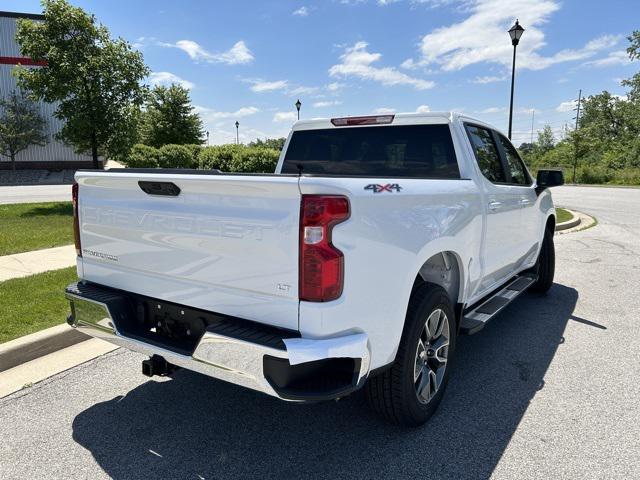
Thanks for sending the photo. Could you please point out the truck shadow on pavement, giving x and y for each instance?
(196, 427)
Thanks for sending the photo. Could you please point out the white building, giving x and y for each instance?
(54, 155)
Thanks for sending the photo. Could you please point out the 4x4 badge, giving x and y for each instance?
(389, 187)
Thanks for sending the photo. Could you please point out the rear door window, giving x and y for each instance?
(486, 152)
(418, 151)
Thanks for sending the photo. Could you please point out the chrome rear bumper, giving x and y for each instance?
(97, 310)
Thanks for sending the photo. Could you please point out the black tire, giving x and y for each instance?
(546, 264)
(393, 394)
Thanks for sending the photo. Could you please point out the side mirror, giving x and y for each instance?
(549, 178)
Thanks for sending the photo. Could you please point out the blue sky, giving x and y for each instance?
(250, 60)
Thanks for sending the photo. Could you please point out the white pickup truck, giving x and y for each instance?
(375, 243)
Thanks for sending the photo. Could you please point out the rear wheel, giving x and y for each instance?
(546, 265)
(411, 390)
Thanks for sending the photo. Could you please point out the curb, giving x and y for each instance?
(36, 345)
(574, 222)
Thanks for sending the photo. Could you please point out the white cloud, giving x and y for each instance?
(326, 103)
(225, 133)
(260, 86)
(167, 78)
(237, 55)
(285, 117)
(482, 38)
(383, 110)
(300, 90)
(618, 57)
(488, 79)
(356, 61)
(566, 106)
(210, 115)
(428, 3)
(139, 43)
(302, 12)
(518, 111)
(335, 86)
(492, 110)
(423, 109)
(525, 111)
(434, 3)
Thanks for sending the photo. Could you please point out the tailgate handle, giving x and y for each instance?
(167, 189)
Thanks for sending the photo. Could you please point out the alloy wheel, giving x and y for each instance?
(431, 355)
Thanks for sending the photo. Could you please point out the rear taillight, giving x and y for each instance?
(321, 264)
(76, 219)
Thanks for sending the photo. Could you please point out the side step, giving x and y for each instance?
(475, 319)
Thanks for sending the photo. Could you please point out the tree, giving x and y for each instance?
(95, 80)
(274, 143)
(169, 118)
(526, 148)
(605, 146)
(634, 54)
(20, 126)
(545, 141)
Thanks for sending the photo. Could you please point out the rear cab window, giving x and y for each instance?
(404, 151)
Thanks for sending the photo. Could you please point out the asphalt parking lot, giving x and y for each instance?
(549, 389)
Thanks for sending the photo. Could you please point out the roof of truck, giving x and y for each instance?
(397, 119)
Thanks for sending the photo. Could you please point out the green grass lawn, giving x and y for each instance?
(34, 303)
(33, 226)
(562, 215)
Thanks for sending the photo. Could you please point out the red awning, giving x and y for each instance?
(22, 61)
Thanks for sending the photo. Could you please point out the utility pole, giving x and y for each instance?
(533, 114)
(575, 153)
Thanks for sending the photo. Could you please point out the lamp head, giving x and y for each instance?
(515, 33)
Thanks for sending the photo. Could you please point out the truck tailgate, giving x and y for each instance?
(225, 243)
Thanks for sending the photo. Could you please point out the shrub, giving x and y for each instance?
(142, 156)
(628, 176)
(176, 156)
(254, 160)
(593, 174)
(195, 150)
(218, 157)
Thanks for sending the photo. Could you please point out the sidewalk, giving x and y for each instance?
(29, 263)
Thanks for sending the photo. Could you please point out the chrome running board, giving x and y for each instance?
(474, 319)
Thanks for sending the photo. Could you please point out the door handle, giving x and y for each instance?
(494, 205)
(525, 201)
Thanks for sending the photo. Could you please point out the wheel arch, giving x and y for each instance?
(445, 270)
(550, 224)
(430, 271)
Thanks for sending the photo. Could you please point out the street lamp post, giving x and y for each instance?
(298, 105)
(515, 33)
(207, 137)
(237, 133)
